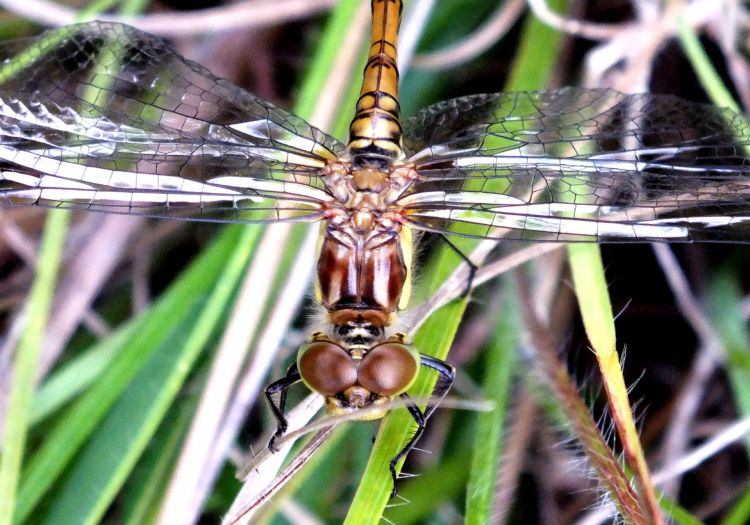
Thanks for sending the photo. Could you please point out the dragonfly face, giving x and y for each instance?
(105, 117)
(354, 372)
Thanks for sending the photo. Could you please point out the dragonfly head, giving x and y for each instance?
(353, 373)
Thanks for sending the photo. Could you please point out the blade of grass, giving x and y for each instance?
(145, 488)
(499, 370)
(724, 297)
(77, 424)
(120, 439)
(704, 69)
(76, 375)
(530, 71)
(23, 384)
(523, 73)
(567, 408)
(37, 312)
(593, 300)
(729, 322)
(255, 294)
(740, 513)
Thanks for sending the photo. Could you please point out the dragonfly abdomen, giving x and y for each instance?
(375, 131)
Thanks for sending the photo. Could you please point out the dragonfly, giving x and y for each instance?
(104, 117)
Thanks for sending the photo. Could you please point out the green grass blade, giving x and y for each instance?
(322, 67)
(76, 375)
(723, 292)
(704, 69)
(27, 357)
(499, 371)
(596, 310)
(144, 491)
(740, 513)
(120, 439)
(724, 298)
(530, 71)
(78, 423)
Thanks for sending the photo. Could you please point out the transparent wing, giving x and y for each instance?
(580, 165)
(104, 116)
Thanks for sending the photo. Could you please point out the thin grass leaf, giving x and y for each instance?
(740, 513)
(723, 292)
(530, 71)
(76, 425)
(724, 298)
(144, 490)
(489, 434)
(579, 422)
(109, 456)
(25, 367)
(76, 375)
(704, 69)
(596, 311)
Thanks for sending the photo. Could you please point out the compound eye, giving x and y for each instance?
(326, 368)
(389, 369)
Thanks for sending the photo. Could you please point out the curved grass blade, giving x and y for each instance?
(596, 310)
(591, 290)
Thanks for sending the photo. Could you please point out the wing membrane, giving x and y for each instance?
(103, 116)
(580, 165)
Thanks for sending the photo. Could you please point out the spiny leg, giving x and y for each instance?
(280, 388)
(419, 418)
(446, 374)
(472, 267)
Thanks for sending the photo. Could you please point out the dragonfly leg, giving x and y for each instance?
(419, 418)
(280, 388)
(465, 258)
(446, 374)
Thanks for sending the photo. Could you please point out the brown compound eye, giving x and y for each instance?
(389, 369)
(326, 368)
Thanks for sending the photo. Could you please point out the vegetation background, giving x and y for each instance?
(151, 342)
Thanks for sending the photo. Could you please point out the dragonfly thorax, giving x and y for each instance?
(369, 180)
(364, 260)
(344, 182)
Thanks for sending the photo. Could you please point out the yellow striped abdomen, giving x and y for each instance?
(375, 131)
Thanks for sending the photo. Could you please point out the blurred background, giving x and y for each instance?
(154, 356)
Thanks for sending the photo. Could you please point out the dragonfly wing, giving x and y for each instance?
(580, 165)
(104, 116)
